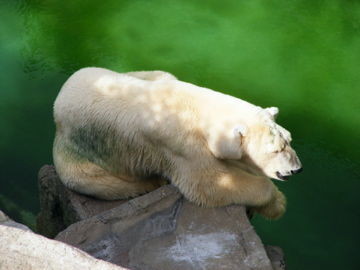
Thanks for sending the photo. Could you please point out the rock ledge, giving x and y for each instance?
(159, 230)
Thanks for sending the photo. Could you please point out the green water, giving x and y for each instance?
(302, 56)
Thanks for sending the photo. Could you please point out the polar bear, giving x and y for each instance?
(119, 135)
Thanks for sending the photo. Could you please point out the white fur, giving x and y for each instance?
(120, 135)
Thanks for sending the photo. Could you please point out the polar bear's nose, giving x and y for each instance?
(296, 171)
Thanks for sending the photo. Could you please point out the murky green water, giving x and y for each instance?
(302, 56)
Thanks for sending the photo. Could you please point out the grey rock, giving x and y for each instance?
(276, 256)
(6, 221)
(25, 250)
(159, 230)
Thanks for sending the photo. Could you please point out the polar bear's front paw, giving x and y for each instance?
(275, 208)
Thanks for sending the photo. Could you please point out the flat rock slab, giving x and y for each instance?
(161, 230)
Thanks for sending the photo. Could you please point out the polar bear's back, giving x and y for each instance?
(89, 88)
(106, 116)
(150, 101)
(154, 93)
(101, 108)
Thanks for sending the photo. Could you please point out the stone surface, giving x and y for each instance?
(276, 256)
(25, 250)
(159, 230)
(6, 221)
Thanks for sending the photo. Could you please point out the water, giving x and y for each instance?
(298, 55)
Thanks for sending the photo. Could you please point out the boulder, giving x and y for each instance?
(276, 256)
(159, 230)
(6, 221)
(25, 250)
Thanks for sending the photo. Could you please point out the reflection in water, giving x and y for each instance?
(300, 56)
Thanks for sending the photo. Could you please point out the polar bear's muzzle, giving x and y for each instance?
(286, 177)
(282, 177)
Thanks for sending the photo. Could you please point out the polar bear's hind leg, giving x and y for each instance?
(85, 177)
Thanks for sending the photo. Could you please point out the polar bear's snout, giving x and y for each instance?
(286, 177)
(283, 164)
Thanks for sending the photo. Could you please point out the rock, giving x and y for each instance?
(276, 256)
(25, 250)
(60, 207)
(159, 230)
(6, 221)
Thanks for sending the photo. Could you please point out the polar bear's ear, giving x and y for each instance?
(227, 145)
(273, 111)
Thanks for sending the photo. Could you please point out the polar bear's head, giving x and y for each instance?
(267, 145)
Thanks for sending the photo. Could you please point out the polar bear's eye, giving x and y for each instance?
(279, 150)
